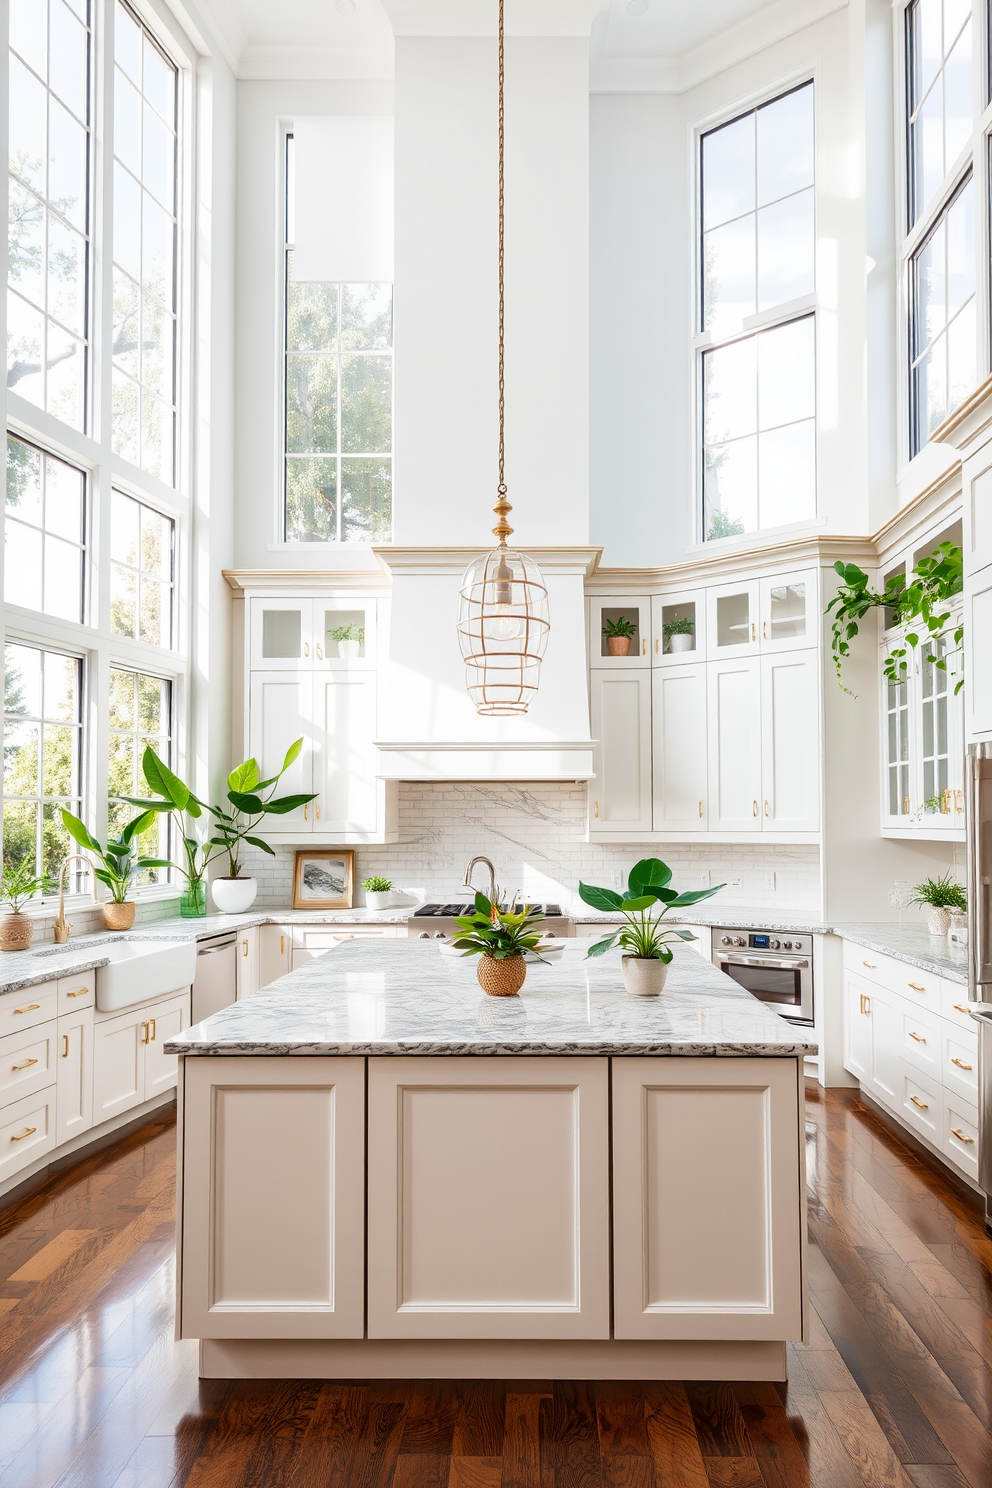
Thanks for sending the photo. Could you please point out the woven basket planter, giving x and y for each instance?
(502, 978)
(118, 916)
(16, 931)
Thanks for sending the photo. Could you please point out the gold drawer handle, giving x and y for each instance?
(26, 1065)
(917, 1036)
(922, 1104)
(916, 986)
(32, 1007)
(961, 1064)
(28, 1131)
(962, 1007)
(871, 965)
(80, 992)
(961, 1136)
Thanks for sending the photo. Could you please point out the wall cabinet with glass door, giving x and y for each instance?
(923, 742)
(631, 616)
(309, 634)
(755, 616)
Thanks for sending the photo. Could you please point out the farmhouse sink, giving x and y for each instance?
(138, 969)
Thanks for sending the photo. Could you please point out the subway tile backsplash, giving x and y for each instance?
(534, 833)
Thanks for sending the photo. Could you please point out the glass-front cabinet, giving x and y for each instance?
(619, 630)
(771, 614)
(311, 634)
(923, 741)
(678, 623)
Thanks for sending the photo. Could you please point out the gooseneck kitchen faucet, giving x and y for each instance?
(468, 884)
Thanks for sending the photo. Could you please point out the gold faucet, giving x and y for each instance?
(62, 928)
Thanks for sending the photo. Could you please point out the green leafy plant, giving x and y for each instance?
(642, 935)
(619, 629)
(349, 633)
(21, 883)
(924, 598)
(684, 625)
(120, 863)
(498, 933)
(940, 893)
(377, 884)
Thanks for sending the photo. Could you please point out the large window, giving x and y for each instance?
(44, 532)
(339, 406)
(141, 575)
(939, 94)
(757, 341)
(42, 755)
(943, 353)
(140, 714)
(48, 204)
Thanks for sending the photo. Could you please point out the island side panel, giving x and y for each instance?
(488, 1198)
(708, 1199)
(273, 1171)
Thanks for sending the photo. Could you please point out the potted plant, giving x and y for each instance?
(377, 891)
(501, 938)
(619, 633)
(680, 634)
(350, 639)
(940, 895)
(642, 939)
(119, 862)
(18, 885)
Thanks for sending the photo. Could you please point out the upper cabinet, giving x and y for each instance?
(923, 742)
(678, 628)
(771, 614)
(619, 631)
(311, 634)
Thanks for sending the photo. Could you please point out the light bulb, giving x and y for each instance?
(506, 626)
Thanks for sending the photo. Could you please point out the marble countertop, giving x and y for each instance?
(404, 997)
(744, 919)
(912, 944)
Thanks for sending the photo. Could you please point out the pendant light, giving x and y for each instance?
(503, 603)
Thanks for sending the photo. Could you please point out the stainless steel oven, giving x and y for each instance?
(775, 968)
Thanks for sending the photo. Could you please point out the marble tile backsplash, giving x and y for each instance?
(534, 832)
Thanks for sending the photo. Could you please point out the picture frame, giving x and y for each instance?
(324, 878)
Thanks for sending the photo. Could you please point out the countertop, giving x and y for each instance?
(912, 944)
(404, 997)
(735, 919)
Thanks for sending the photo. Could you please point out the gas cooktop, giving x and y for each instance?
(441, 918)
(449, 911)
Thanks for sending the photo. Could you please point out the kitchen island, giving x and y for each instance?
(385, 1173)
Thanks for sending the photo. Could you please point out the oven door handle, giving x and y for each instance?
(731, 960)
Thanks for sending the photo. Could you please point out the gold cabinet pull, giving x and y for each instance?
(917, 1036)
(152, 1035)
(871, 965)
(916, 987)
(144, 1039)
(282, 945)
(754, 808)
(316, 809)
(961, 1064)
(28, 1131)
(961, 1136)
(754, 636)
(644, 646)
(65, 1046)
(764, 630)
(31, 1007)
(922, 1104)
(305, 810)
(79, 992)
(306, 648)
(962, 1007)
(656, 648)
(700, 808)
(595, 808)
(244, 948)
(766, 809)
(320, 654)
(26, 1065)
(866, 1004)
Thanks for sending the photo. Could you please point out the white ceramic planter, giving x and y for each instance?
(234, 895)
(349, 650)
(681, 642)
(644, 977)
(378, 901)
(938, 920)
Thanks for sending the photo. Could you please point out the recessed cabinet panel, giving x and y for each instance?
(693, 1144)
(344, 758)
(488, 1202)
(734, 723)
(679, 748)
(167, 1020)
(74, 1074)
(978, 513)
(118, 1065)
(280, 711)
(620, 795)
(790, 742)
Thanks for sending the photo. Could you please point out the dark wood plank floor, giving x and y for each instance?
(893, 1389)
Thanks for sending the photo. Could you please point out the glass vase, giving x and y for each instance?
(193, 900)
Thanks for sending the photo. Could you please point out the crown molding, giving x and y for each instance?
(359, 580)
(427, 561)
(969, 419)
(817, 549)
(911, 521)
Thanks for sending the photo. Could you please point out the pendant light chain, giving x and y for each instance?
(502, 529)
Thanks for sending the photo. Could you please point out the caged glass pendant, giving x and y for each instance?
(503, 620)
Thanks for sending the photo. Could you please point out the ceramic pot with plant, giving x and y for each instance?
(350, 640)
(642, 938)
(619, 633)
(502, 939)
(680, 634)
(941, 896)
(18, 885)
(378, 891)
(119, 864)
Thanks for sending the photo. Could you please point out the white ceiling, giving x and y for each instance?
(672, 45)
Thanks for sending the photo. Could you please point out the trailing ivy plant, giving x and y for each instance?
(923, 599)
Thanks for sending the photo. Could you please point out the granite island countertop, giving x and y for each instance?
(405, 997)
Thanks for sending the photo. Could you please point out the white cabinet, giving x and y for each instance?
(129, 1065)
(788, 611)
(27, 1062)
(734, 729)
(679, 748)
(620, 794)
(275, 944)
(27, 1131)
(168, 1018)
(790, 742)
(923, 744)
(311, 941)
(606, 611)
(247, 973)
(344, 754)
(857, 1028)
(301, 633)
(732, 622)
(74, 1074)
(678, 624)
(273, 1198)
(280, 711)
(708, 1199)
(488, 1198)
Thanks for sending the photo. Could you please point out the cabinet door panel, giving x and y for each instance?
(790, 742)
(74, 1074)
(886, 1060)
(344, 759)
(488, 1198)
(734, 725)
(621, 721)
(679, 748)
(165, 1019)
(693, 1143)
(280, 635)
(280, 712)
(275, 943)
(118, 1066)
(248, 961)
(273, 1201)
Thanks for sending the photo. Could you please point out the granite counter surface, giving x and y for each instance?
(405, 997)
(912, 944)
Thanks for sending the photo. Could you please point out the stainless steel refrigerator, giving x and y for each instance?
(978, 793)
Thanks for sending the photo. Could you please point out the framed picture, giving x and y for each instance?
(324, 878)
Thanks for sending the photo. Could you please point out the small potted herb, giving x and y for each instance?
(350, 639)
(941, 896)
(619, 633)
(377, 891)
(19, 884)
(119, 864)
(642, 938)
(680, 634)
(501, 939)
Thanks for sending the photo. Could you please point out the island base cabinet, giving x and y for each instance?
(488, 1198)
(708, 1198)
(273, 1198)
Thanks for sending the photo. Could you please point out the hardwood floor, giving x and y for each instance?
(893, 1390)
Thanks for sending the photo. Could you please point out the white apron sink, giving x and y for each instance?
(140, 969)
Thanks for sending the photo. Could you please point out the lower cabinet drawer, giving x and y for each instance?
(960, 1134)
(27, 1131)
(959, 1063)
(921, 1105)
(922, 1038)
(27, 1062)
(20, 1010)
(954, 1005)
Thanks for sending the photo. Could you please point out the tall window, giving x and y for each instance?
(44, 532)
(939, 94)
(142, 571)
(943, 353)
(140, 714)
(145, 153)
(42, 752)
(758, 341)
(339, 406)
(48, 205)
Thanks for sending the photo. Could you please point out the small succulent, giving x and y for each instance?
(619, 629)
(377, 884)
